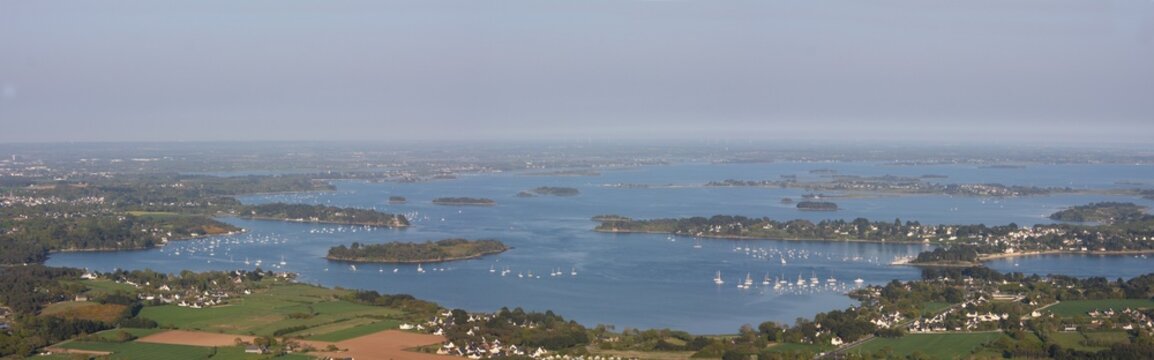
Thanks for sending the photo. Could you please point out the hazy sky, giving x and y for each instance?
(1036, 70)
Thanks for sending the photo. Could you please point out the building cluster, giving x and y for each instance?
(1127, 319)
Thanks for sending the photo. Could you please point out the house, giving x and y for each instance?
(253, 349)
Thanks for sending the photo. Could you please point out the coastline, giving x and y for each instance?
(985, 258)
(432, 261)
(737, 237)
(138, 248)
(266, 218)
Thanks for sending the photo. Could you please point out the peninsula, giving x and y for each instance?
(322, 214)
(464, 201)
(398, 252)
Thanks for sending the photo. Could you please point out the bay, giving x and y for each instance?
(636, 280)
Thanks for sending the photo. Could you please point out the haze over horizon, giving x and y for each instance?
(1032, 71)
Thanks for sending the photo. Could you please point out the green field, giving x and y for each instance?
(103, 286)
(139, 350)
(1077, 308)
(787, 347)
(135, 350)
(1071, 340)
(931, 308)
(936, 346)
(265, 312)
(354, 332)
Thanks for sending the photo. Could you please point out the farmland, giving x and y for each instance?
(1077, 308)
(935, 346)
(279, 308)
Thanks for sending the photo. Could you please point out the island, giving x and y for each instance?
(1101, 212)
(464, 201)
(322, 214)
(989, 242)
(397, 199)
(816, 206)
(555, 191)
(400, 252)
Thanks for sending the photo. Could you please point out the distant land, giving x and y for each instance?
(549, 190)
(464, 201)
(403, 252)
(322, 214)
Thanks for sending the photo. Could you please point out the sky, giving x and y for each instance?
(206, 70)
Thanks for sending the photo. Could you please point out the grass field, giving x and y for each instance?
(937, 346)
(352, 332)
(104, 286)
(1081, 307)
(934, 307)
(1108, 337)
(1071, 340)
(786, 347)
(265, 312)
(135, 350)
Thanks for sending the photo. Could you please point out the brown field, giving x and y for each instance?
(194, 338)
(388, 344)
(106, 313)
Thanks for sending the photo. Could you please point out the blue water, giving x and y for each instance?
(636, 280)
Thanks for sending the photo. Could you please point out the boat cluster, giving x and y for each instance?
(785, 256)
(555, 272)
(783, 285)
(341, 229)
(220, 249)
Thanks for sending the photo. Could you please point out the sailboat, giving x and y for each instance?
(282, 262)
(419, 269)
(492, 269)
(765, 281)
(573, 271)
(717, 279)
(748, 280)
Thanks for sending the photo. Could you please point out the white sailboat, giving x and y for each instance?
(717, 279)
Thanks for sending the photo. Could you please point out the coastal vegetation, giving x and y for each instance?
(322, 214)
(987, 241)
(1103, 213)
(555, 191)
(430, 251)
(464, 201)
(892, 184)
(816, 206)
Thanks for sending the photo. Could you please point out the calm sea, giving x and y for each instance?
(638, 280)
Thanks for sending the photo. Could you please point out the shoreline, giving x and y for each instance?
(986, 258)
(737, 237)
(265, 218)
(154, 246)
(434, 261)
